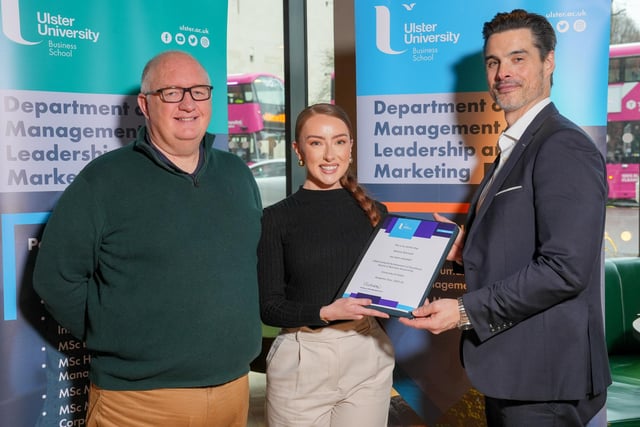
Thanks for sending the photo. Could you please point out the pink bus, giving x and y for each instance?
(623, 121)
(256, 115)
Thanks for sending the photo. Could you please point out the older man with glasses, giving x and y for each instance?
(150, 258)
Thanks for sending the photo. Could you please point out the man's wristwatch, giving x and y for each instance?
(464, 323)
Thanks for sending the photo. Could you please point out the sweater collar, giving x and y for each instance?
(143, 143)
(306, 195)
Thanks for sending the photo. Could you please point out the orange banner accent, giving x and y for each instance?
(427, 207)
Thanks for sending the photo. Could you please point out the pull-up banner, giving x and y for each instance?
(427, 128)
(69, 77)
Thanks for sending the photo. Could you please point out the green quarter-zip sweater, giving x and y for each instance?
(155, 269)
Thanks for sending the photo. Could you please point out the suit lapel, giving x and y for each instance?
(476, 196)
(524, 141)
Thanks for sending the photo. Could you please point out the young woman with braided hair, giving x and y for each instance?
(332, 364)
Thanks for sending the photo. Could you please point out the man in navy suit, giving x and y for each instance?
(533, 340)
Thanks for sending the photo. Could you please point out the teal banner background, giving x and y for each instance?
(69, 77)
(102, 46)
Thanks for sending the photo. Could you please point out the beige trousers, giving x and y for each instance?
(338, 376)
(226, 405)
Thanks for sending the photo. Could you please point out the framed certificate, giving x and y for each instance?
(400, 263)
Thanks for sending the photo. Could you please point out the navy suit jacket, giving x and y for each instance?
(533, 267)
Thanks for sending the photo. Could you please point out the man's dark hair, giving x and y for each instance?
(544, 37)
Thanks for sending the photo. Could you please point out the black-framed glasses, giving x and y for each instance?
(175, 94)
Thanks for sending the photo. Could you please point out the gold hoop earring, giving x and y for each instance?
(300, 162)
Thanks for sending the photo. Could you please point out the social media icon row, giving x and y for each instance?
(181, 39)
(578, 26)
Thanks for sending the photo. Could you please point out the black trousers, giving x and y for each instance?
(564, 413)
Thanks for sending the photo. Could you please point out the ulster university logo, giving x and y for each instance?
(61, 32)
(411, 31)
(383, 31)
(11, 22)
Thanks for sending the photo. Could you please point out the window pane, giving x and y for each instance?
(623, 154)
(320, 46)
(255, 90)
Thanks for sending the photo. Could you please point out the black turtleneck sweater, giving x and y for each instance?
(310, 241)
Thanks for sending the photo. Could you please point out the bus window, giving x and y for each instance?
(632, 69)
(614, 70)
(235, 94)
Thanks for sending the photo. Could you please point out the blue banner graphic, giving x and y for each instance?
(425, 120)
(427, 129)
